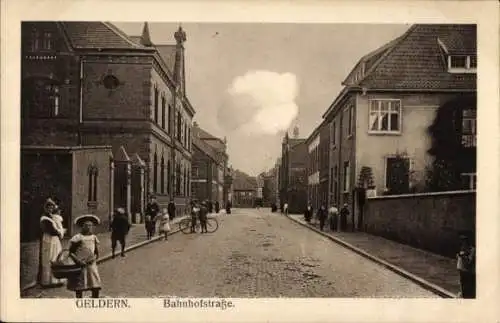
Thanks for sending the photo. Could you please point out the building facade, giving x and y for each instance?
(209, 168)
(89, 84)
(244, 190)
(293, 173)
(405, 125)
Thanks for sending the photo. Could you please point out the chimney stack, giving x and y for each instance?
(145, 37)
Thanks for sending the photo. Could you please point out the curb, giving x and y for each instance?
(419, 281)
(110, 256)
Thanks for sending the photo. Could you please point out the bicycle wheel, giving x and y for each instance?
(185, 226)
(212, 225)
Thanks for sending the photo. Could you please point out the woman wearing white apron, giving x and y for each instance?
(50, 244)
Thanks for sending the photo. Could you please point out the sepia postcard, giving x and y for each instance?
(250, 162)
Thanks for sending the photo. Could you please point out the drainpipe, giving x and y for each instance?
(80, 109)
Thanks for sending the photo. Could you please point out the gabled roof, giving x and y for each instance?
(415, 60)
(166, 52)
(97, 35)
(205, 148)
(200, 133)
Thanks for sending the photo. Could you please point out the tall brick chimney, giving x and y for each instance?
(180, 38)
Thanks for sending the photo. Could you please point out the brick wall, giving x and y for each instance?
(427, 221)
(82, 160)
(130, 100)
(43, 174)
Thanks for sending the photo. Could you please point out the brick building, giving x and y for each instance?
(293, 173)
(209, 167)
(407, 109)
(88, 84)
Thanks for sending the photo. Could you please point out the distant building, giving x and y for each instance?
(293, 173)
(406, 118)
(209, 167)
(88, 84)
(244, 189)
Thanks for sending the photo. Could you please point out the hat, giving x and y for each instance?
(120, 210)
(87, 217)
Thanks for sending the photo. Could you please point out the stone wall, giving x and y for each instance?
(428, 221)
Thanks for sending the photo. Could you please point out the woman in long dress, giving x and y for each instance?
(165, 224)
(50, 244)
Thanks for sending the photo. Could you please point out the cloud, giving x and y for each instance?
(260, 103)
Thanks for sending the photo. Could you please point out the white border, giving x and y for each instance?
(485, 13)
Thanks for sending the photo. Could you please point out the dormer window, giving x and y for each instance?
(462, 63)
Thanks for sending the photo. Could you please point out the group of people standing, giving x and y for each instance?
(336, 220)
(154, 217)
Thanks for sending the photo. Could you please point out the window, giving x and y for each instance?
(462, 63)
(178, 180)
(397, 175)
(189, 138)
(469, 181)
(164, 112)
(385, 116)
(469, 128)
(47, 41)
(336, 184)
(179, 125)
(170, 115)
(35, 40)
(185, 134)
(155, 173)
(162, 175)
(347, 176)
(92, 189)
(155, 100)
(41, 98)
(350, 120)
(331, 179)
(334, 134)
(195, 172)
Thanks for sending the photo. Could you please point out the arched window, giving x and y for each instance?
(155, 173)
(162, 175)
(41, 97)
(92, 174)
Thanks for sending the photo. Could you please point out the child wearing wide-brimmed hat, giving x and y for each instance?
(84, 249)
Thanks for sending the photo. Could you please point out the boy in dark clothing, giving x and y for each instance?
(203, 217)
(120, 227)
(150, 227)
(344, 213)
(171, 210)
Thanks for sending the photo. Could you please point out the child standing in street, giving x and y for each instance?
(150, 226)
(165, 224)
(84, 250)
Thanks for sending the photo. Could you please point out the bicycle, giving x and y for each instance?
(185, 225)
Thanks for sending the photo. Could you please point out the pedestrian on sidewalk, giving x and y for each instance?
(322, 217)
(228, 207)
(344, 214)
(149, 224)
(285, 208)
(50, 244)
(203, 214)
(195, 210)
(85, 251)
(308, 213)
(152, 210)
(165, 224)
(120, 226)
(333, 213)
(171, 209)
(217, 207)
(466, 265)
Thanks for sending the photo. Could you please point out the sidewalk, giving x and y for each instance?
(433, 271)
(137, 237)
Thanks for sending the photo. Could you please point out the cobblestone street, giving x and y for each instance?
(254, 253)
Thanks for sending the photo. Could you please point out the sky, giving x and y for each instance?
(253, 82)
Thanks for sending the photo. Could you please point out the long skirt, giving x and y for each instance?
(88, 279)
(50, 248)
